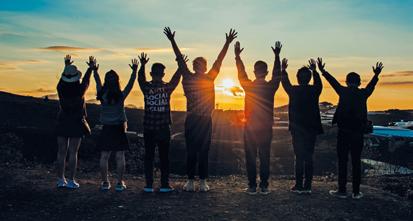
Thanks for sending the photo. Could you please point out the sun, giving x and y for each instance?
(228, 83)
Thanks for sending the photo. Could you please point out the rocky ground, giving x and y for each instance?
(30, 194)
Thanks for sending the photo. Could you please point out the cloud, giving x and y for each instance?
(64, 48)
(38, 90)
(396, 83)
(15, 64)
(399, 74)
(160, 50)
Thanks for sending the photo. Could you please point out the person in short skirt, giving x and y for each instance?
(71, 120)
(112, 116)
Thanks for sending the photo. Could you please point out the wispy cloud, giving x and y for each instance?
(399, 74)
(397, 83)
(161, 50)
(64, 48)
(15, 64)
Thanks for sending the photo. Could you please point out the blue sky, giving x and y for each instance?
(349, 35)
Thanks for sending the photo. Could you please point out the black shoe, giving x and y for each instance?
(338, 194)
(265, 191)
(251, 190)
(296, 189)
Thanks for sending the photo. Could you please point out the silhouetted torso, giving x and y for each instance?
(259, 103)
(303, 109)
(199, 90)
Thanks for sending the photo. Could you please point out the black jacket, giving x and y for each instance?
(351, 113)
(303, 108)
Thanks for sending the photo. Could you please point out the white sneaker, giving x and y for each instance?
(189, 186)
(203, 186)
(105, 186)
(61, 183)
(357, 196)
(72, 184)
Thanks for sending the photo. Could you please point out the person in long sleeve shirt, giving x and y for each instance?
(199, 91)
(113, 118)
(304, 120)
(259, 115)
(157, 120)
(351, 119)
(71, 120)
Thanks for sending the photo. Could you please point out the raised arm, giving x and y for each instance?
(285, 81)
(372, 84)
(318, 85)
(92, 66)
(179, 58)
(97, 80)
(242, 74)
(68, 60)
(173, 83)
(331, 80)
(276, 71)
(141, 74)
(213, 73)
(129, 86)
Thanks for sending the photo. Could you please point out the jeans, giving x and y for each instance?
(160, 138)
(198, 132)
(349, 142)
(257, 139)
(303, 144)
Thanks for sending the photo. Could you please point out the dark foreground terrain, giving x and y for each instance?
(30, 194)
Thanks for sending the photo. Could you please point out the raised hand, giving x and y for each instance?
(231, 36)
(143, 58)
(169, 34)
(238, 49)
(68, 60)
(185, 58)
(321, 65)
(134, 64)
(284, 64)
(92, 63)
(312, 65)
(379, 67)
(277, 48)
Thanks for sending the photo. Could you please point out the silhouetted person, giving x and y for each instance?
(157, 120)
(304, 120)
(351, 118)
(259, 115)
(199, 91)
(113, 117)
(71, 121)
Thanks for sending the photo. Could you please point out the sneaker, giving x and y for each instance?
(105, 186)
(72, 184)
(264, 191)
(189, 186)
(251, 190)
(306, 191)
(120, 187)
(203, 186)
(148, 189)
(357, 196)
(61, 183)
(166, 189)
(296, 189)
(338, 194)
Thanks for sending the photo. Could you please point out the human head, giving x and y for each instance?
(303, 76)
(199, 65)
(353, 79)
(111, 78)
(260, 69)
(71, 74)
(157, 71)
(111, 87)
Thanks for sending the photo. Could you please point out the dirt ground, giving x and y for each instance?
(30, 194)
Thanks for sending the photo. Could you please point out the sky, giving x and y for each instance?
(349, 35)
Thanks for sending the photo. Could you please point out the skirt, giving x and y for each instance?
(72, 128)
(113, 138)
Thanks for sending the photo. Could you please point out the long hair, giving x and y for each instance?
(69, 89)
(111, 88)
